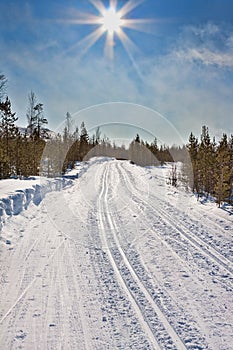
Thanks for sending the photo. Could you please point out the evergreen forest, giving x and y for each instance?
(34, 150)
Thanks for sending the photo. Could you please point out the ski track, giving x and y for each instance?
(95, 269)
(103, 208)
(139, 279)
(199, 243)
(223, 279)
(182, 322)
(208, 258)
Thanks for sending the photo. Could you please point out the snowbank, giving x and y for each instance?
(16, 195)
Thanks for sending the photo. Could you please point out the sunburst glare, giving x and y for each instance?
(111, 21)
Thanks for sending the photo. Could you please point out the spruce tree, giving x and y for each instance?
(40, 121)
(206, 160)
(230, 145)
(8, 132)
(222, 174)
(84, 141)
(194, 173)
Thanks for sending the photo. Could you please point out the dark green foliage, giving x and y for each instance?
(222, 174)
(9, 135)
(20, 155)
(212, 166)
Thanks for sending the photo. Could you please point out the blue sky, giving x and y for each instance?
(181, 66)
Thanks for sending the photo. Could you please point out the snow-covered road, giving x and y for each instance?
(119, 260)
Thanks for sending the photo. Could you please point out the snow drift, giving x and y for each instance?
(17, 195)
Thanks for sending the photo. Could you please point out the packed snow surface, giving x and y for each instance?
(118, 259)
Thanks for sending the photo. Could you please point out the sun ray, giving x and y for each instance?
(113, 4)
(111, 22)
(140, 25)
(129, 6)
(130, 48)
(98, 5)
(126, 41)
(85, 19)
(77, 15)
(86, 43)
(109, 45)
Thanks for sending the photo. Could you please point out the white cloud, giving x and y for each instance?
(208, 44)
(203, 31)
(229, 42)
(207, 57)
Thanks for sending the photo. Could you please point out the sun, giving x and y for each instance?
(111, 20)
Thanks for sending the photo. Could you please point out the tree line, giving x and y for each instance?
(212, 166)
(20, 152)
(64, 150)
(36, 150)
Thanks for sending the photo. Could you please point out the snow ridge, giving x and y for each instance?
(15, 203)
(34, 189)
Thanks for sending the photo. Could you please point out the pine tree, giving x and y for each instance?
(230, 145)
(8, 128)
(84, 141)
(39, 132)
(222, 175)
(8, 132)
(193, 173)
(36, 119)
(206, 161)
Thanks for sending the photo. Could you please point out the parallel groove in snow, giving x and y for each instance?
(30, 284)
(132, 194)
(135, 277)
(197, 242)
(185, 330)
(101, 204)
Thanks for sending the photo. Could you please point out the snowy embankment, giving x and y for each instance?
(16, 195)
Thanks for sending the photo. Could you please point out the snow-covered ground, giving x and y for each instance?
(118, 260)
(17, 194)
